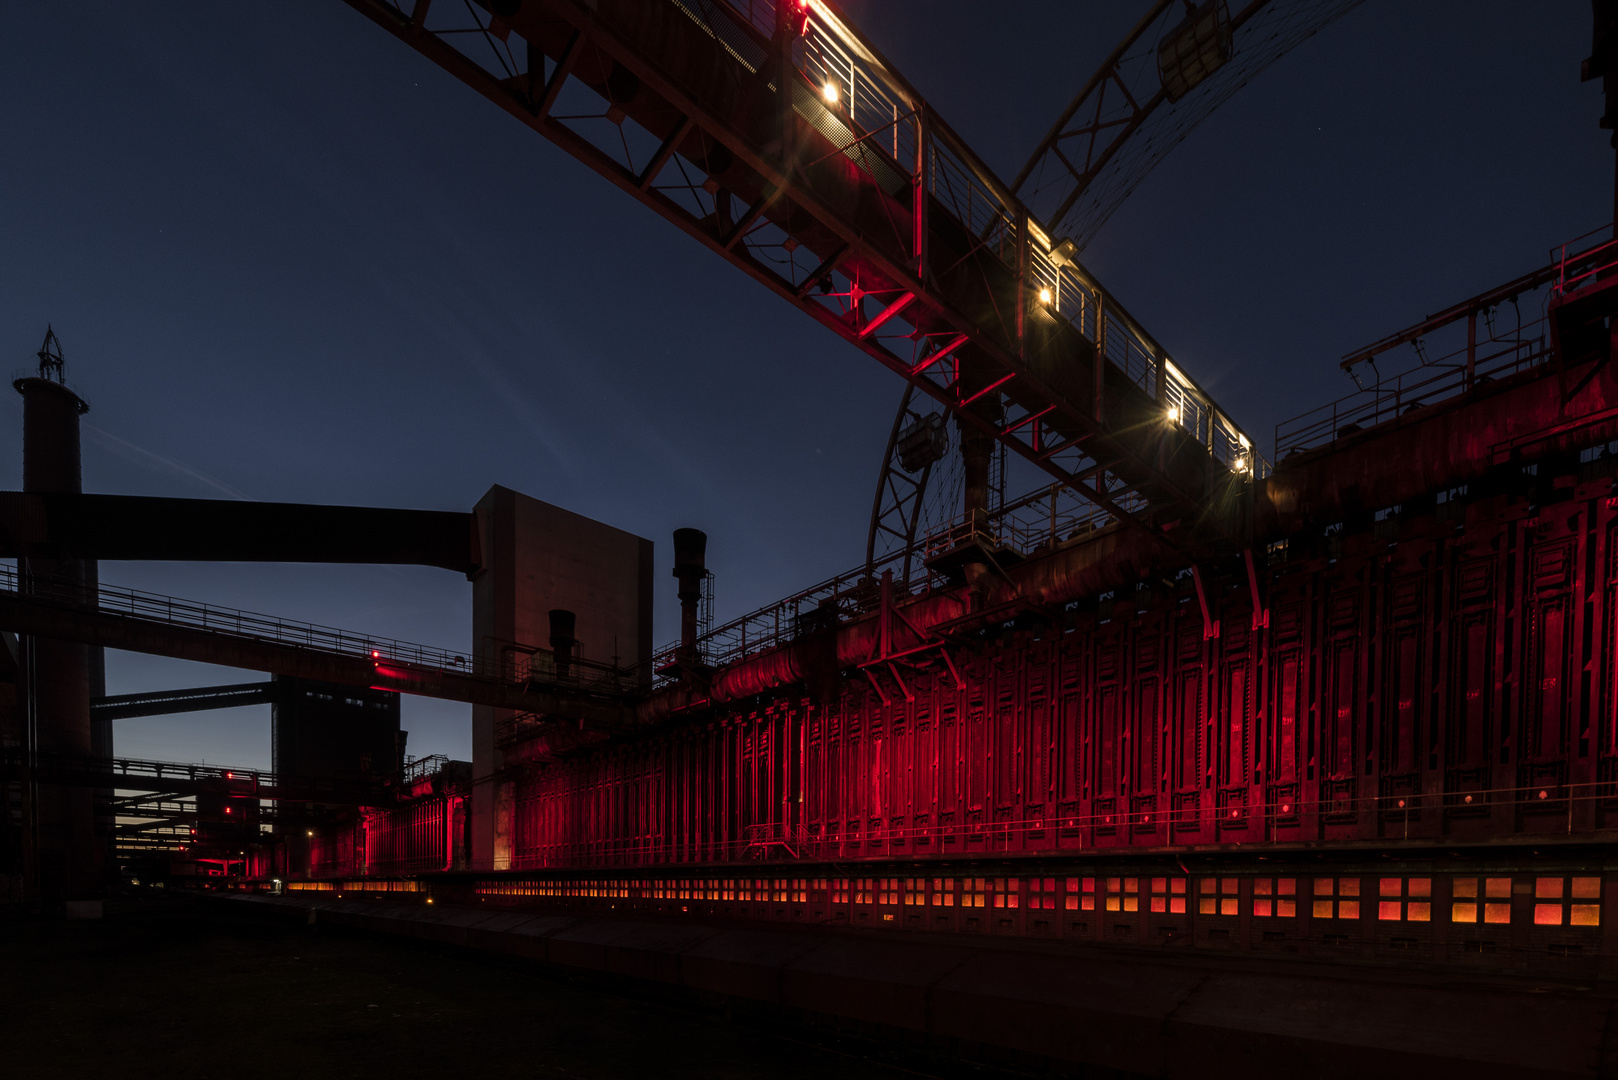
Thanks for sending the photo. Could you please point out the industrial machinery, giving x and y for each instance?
(1358, 703)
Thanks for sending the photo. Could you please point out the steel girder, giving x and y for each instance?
(231, 644)
(172, 778)
(866, 212)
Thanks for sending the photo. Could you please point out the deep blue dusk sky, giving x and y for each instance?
(290, 259)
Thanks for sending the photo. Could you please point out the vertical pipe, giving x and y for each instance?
(1471, 348)
(690, 566)
(976, 449)
(1101, 354)
(918, 195)
(1024, 294)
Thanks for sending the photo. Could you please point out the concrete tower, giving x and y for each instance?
(69, 859)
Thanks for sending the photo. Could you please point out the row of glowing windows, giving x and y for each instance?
(355, 886)
(1558, 901)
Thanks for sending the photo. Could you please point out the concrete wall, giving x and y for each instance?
(537, 557)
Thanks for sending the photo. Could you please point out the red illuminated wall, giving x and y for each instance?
(1443, 676)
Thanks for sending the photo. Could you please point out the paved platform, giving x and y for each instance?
(1051, 1006)
(173, 987)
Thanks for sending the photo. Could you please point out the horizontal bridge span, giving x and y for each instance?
(594, 694)
(138, 528)
(177, 778)
(168, 702)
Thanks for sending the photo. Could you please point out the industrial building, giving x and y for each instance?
(1154, 764)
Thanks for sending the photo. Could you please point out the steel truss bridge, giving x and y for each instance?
(779, 138)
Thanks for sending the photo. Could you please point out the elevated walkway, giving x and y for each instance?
(517, 677)
(778, 137)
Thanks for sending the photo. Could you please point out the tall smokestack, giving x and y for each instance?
(690, 566)
(68, 860)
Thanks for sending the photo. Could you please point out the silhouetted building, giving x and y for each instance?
(331, 732)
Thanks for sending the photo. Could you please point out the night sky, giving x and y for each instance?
(290, 259)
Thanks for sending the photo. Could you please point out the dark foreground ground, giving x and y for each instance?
(178, 987)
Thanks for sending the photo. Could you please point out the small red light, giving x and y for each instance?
(375, 655)
(230, 776)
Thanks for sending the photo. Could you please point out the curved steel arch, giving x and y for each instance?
(1126, 119)
(896, 511)
(1115, 130)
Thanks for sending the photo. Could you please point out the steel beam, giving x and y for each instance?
(166, 702)
(133, 527)
(96, 626)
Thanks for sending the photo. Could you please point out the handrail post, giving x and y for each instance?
(1471, 347)
(919, 197)
(1101, 350)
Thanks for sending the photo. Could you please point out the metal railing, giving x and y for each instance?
(423, 768)
(1458, 348)
(871, 115)
(505, 662)
(1583, 260)
(1439, 379)
(1040, 520)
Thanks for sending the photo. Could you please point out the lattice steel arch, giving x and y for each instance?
(1125, 120)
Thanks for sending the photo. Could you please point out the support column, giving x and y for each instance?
(977, 450)
(69, 861)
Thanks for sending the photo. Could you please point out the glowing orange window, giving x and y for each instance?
(1217, 896)
(943, 892)
(799, 890)
(915, 891)
(1275, 897)
(972, 890)
(1557, 901)
(1042, 893)
(1492, 901)
(1336, 898)
(1123, 894)
(1168, 895)
(1588, 913)
(1081, 894)
(1006, 892)
(888, 891)
(839, 890)
(1404, 899)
